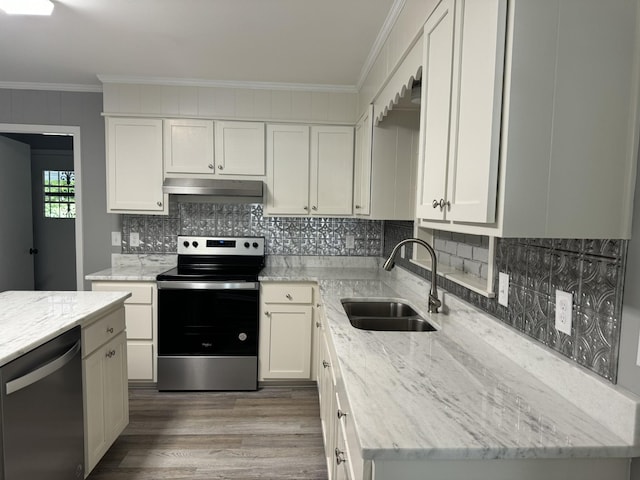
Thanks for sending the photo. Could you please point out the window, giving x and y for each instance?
(59, 194)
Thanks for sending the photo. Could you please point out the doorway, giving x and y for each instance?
(53, 253)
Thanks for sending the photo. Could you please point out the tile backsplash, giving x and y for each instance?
(591, 270)
(284, 235)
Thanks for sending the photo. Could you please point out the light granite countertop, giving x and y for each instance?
(29, 319)
(128, 273)
(474, 389)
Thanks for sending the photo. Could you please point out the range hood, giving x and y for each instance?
(205, 189)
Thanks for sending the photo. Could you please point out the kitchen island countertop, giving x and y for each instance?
(29, 319)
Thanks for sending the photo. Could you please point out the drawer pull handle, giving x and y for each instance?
(341, 414)
(110, 353)
(288, 295)
(339, 456)
(109, 329)
(325, 364)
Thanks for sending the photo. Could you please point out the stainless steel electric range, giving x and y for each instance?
(208, 315)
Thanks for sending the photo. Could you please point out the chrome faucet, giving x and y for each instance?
(434, 301)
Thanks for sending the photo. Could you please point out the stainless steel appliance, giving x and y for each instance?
(41, 422)
(208, 315)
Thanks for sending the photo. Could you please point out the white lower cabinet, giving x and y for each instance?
(141, 320)
(104, 375)
(286, 316)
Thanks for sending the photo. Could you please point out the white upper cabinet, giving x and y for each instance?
(309, 170)
(188, 146)
(331, 180)
(461, 102)
(239, 148)
(530, 118)
(362, 164)
(134, 166)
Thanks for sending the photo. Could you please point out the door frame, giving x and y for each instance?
(75, 132)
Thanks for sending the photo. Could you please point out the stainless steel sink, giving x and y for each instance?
(385, 315)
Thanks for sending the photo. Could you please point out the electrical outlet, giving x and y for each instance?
(503, 289)
(350, 241)
(116, 239)
(134, 239)
(564, 311)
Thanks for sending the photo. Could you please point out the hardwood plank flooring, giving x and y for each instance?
(273, 433)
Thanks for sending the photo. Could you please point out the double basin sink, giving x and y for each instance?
(384, 315)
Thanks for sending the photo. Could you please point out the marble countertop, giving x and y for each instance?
(465, 391)
(28, 319)
(129, 273)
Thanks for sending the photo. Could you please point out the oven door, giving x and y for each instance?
(208, 318)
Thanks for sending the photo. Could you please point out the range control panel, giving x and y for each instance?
(188, 245)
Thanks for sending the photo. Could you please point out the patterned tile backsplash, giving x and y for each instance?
(591, 270)
(285, 236)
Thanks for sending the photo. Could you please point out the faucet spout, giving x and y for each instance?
(434, 301)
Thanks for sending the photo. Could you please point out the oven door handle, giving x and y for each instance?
(188, 285)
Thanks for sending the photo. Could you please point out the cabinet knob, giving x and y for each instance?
(220, 167)
(325, 364)
(341, 414)
(109, 329)
(288, 295)
(268, 314)
(318, 324)
(444, 203)
(306, 208)
(211, 166)
(358, 207)
(159, 204)
(339, 456)
(314, 208)
(435, 203)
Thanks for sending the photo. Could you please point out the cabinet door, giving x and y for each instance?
(239, 148)
(436, 111)
(476, 103)
(188, 146)
(285, 340)
(116, 404)
(288, 169)
(331, 177)
(362, 164)
(94, 408)
(134, 165)
(327, 397)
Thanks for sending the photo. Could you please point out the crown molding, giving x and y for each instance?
(192, 82)
(60, 87)
(383, 35)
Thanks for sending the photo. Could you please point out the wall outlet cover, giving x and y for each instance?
(503, 289)
(350, 241)
(564, 311)
(116, 239)
(134, 239)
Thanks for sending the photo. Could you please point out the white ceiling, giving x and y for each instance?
(320, 42)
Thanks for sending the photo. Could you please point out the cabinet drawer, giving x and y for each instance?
(287, 293)
(101, 331)
(139, 320)
(140, 294)
(140, 361)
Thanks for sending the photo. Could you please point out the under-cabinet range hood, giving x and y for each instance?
(205, 189)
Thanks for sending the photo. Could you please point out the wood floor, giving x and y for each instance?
(273, 433)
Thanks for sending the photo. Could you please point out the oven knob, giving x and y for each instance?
(242, 337)
(255, 244)
(185, 243)
(195, 244)
(246, 244)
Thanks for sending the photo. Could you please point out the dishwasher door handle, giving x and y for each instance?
(42, 372)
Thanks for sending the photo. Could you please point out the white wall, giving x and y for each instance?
(35, 107)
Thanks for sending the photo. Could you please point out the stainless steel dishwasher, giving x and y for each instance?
(41, 416)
